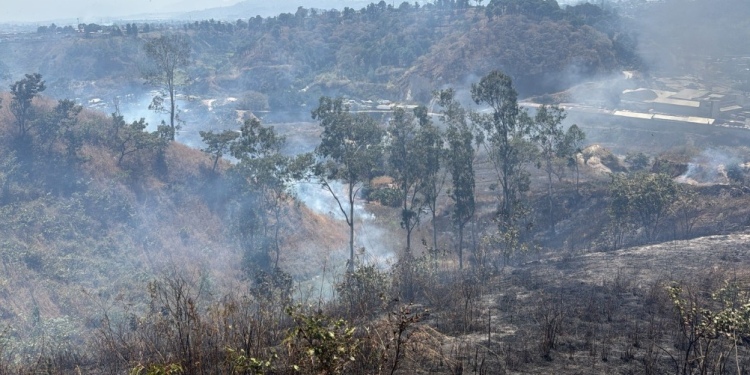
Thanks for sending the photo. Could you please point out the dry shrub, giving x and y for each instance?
(401, 343)
(363, 293)
(183, 327)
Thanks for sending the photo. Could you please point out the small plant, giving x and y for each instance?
(323, 345)
(711, 330)
(404, 318)
(170, 369)
(387, 197)
(242, 363)
(637, 161)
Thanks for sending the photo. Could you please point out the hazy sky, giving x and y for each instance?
(95, 10)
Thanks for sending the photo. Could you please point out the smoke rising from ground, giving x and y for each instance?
(676, 37)
(709, 168)
(368, 234)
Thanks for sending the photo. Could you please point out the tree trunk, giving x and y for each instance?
(351, 227)
(408, 240)
(276, 237)
(549, 196)
(460, 246)
(171, 111)
(407, 219)
(434, 234)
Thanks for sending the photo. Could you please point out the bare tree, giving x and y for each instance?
(169, 55)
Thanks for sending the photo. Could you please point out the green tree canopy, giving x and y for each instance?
(350, 151)
(504, 134)
(643, 199)
(460, 163)
(23, 92)
(218, 144)
(413, 163)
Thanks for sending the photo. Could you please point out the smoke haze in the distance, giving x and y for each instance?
(45, 11)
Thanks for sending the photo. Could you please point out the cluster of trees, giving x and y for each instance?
(379, 43)
(261, 187)
(294, 58)
(239, 335)
(217, 26)
(414, 152)
(52, 29)
(130, 29)
(423, 160)
(512, 141)
(419, 156)
(641, 202)
(45, 144)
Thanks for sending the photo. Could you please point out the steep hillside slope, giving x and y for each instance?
(81, 229)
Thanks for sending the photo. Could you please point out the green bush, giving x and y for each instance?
(386, 196)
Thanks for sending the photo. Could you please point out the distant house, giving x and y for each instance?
(686, 102)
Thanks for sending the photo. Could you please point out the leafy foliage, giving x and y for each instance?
(128, 139)
(23, 92)
(263, 180)
(643, 199)
(363, 290)
(170, 369)
(504, 134)
(218, 144)
(574, 138)
(350, 151)
(638, 161)
(460, 163)
(413, 161)
(708, 326)
(324, 345)
(552, 142)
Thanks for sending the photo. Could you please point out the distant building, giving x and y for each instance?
(686, 102)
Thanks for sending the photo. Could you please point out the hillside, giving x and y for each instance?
(82, 231)
(607, 312)
(377, 52)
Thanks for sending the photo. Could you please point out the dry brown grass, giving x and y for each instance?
(382, 181)
(186, 164)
